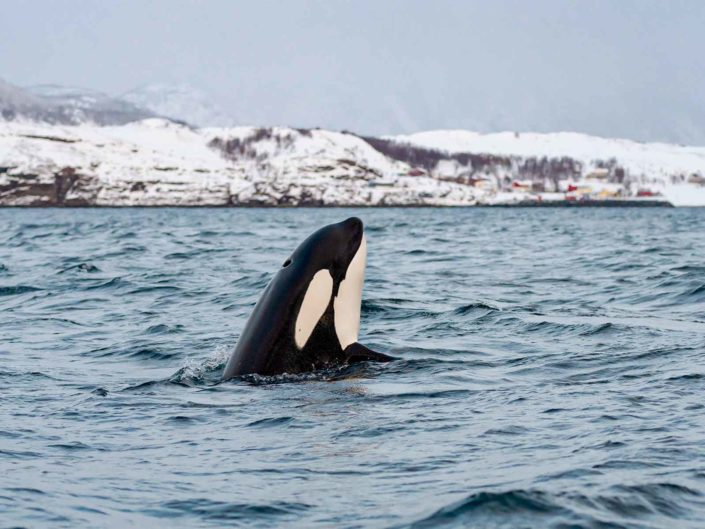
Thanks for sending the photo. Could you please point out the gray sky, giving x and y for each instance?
(615, 68)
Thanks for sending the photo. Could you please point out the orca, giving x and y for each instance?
(308, 317)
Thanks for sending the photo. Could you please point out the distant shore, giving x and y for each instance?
(625, 203)
(527, 204)
(157, 162)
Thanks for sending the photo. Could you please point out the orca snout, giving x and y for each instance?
(353, 225)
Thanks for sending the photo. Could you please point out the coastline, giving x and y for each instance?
(533, 204)
(159, 163)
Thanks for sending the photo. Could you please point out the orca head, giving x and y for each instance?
(330, 264)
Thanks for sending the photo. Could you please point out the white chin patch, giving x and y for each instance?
(346, 305)
(313, 306)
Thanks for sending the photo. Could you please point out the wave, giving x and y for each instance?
(18, 289)
(140, 351)
(514, 508)
(666, 499)
(537, 508)
(270, 422)
(109, 284)
(165, 329)
(555, 328)
(220, 511)
(472, 308)
(694, 294)
(204, 372)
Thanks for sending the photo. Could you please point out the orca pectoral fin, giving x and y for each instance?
(356, 352)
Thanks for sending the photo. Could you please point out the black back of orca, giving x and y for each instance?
(308, 316)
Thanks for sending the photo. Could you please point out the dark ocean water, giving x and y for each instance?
(551, 372)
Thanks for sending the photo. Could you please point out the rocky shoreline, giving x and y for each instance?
(156, 162)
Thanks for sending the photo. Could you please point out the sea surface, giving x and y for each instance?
(550, 372)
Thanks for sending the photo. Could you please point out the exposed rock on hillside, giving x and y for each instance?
(159, 162)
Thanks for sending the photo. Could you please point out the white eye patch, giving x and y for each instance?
(346, 304)
(315, 302)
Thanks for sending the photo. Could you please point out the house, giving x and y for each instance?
(608, 193)
(579, 190)
(522, 186)
(600, 174)
(697, 179)
(416, 171)
(480, 183)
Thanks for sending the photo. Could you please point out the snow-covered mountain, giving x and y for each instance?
(64, 105)
(13, 97)
(160, 162)
(16, 103)
(180, 102)
(82, 105)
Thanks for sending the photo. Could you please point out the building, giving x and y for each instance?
(697, 179)
(521, 186)
(481, 183)
(599, 174)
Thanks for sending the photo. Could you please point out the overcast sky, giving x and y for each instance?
(615, 68)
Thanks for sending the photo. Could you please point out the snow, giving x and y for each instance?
(81, 105)
(159, 162)
(684, 195)
(59, 104)
(653, 160)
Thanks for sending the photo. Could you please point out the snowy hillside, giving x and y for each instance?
(80, 105)
(656, 161)
(160, 162)
(64, 105)
(660, 167)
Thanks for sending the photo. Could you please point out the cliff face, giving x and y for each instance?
(159, 162)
